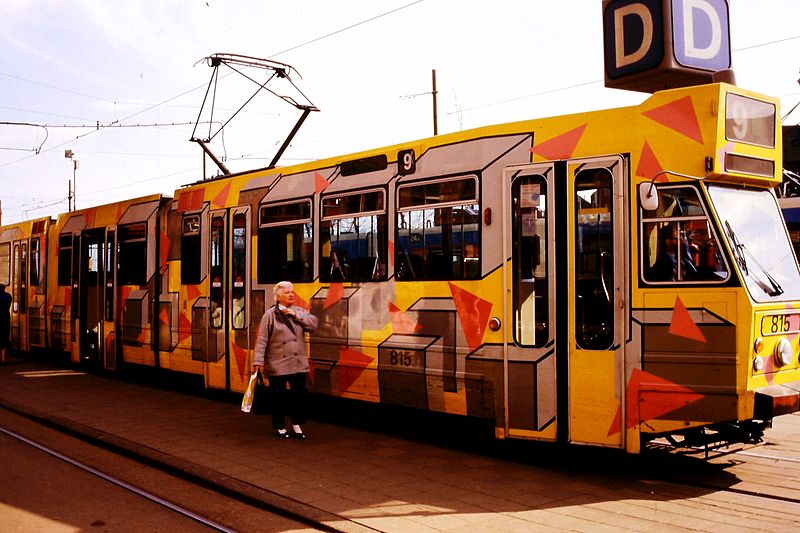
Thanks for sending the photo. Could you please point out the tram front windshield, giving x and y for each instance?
(753, 226)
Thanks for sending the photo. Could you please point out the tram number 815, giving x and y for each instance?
(775, 324)
(401, 358)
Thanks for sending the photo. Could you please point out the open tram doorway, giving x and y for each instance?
(563, 356)
(92, 289)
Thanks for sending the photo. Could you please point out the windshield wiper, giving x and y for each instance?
(739, 250)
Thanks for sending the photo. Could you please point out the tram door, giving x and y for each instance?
(563, 357)
(19, 296)
(92, 295)
(228, 338)
(597, 299)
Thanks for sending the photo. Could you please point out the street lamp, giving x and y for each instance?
(71, 197)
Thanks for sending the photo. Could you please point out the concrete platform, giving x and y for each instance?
(354, 479)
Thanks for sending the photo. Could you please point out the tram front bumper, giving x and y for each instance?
(777, 400)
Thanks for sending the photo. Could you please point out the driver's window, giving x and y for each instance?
(594, 259)
(678, 242)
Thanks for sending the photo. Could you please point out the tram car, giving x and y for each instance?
(604, 278)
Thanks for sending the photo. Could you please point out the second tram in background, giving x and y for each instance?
(602, 278)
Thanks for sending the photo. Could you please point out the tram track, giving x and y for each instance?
(120, 483)
(249, 499)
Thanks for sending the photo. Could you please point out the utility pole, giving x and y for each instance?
(71, 196)
(435, 113)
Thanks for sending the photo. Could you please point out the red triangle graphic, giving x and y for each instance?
(192, 292)
(473, 313)
(649, 165)
(561, 147)
(185, 327)
(648, 397)
(335, 293)
(184, 199)
(163, 316)
(683, 325)
(320, 183)
(351, 365)
(197, 198)
(679, 116)
(401, 322)
(221, 199)
(240, 354)
(165, 241)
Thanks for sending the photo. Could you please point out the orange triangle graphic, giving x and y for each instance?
(351, 365)
(401, 322)
(89, 217)
(335, 293)
(679, 116)
(683, 325)
(649, 165)
(221, 199)
(473, 313)
(163, 316)
(648, 397)
(561, 147)
(320, 183)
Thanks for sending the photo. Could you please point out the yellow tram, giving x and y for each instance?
(603, 278)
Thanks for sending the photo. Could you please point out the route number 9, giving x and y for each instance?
(406, 162)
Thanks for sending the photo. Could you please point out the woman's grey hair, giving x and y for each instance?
(282, 287)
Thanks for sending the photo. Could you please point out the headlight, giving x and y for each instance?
(783, 352)
(758, 364)
(758, 345)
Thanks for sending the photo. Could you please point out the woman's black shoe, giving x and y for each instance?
(284, 435)
(298, 436)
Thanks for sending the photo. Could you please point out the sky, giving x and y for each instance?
(121, 83)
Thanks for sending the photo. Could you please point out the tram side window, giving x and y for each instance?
(5, 263)
(65, 260)
(353, 237)
(35, 260)
(190, 250)
(132, 255)
(285, 244)
(216, 293)
(239, 271)
(594, 259)
(437, 231)
(678, 243)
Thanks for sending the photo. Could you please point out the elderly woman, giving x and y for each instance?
(281, 355)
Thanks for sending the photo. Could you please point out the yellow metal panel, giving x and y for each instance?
(591, 415)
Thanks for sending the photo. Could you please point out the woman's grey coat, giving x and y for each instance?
(282, 350)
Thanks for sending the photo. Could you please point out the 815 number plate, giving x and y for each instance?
(779, 324)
